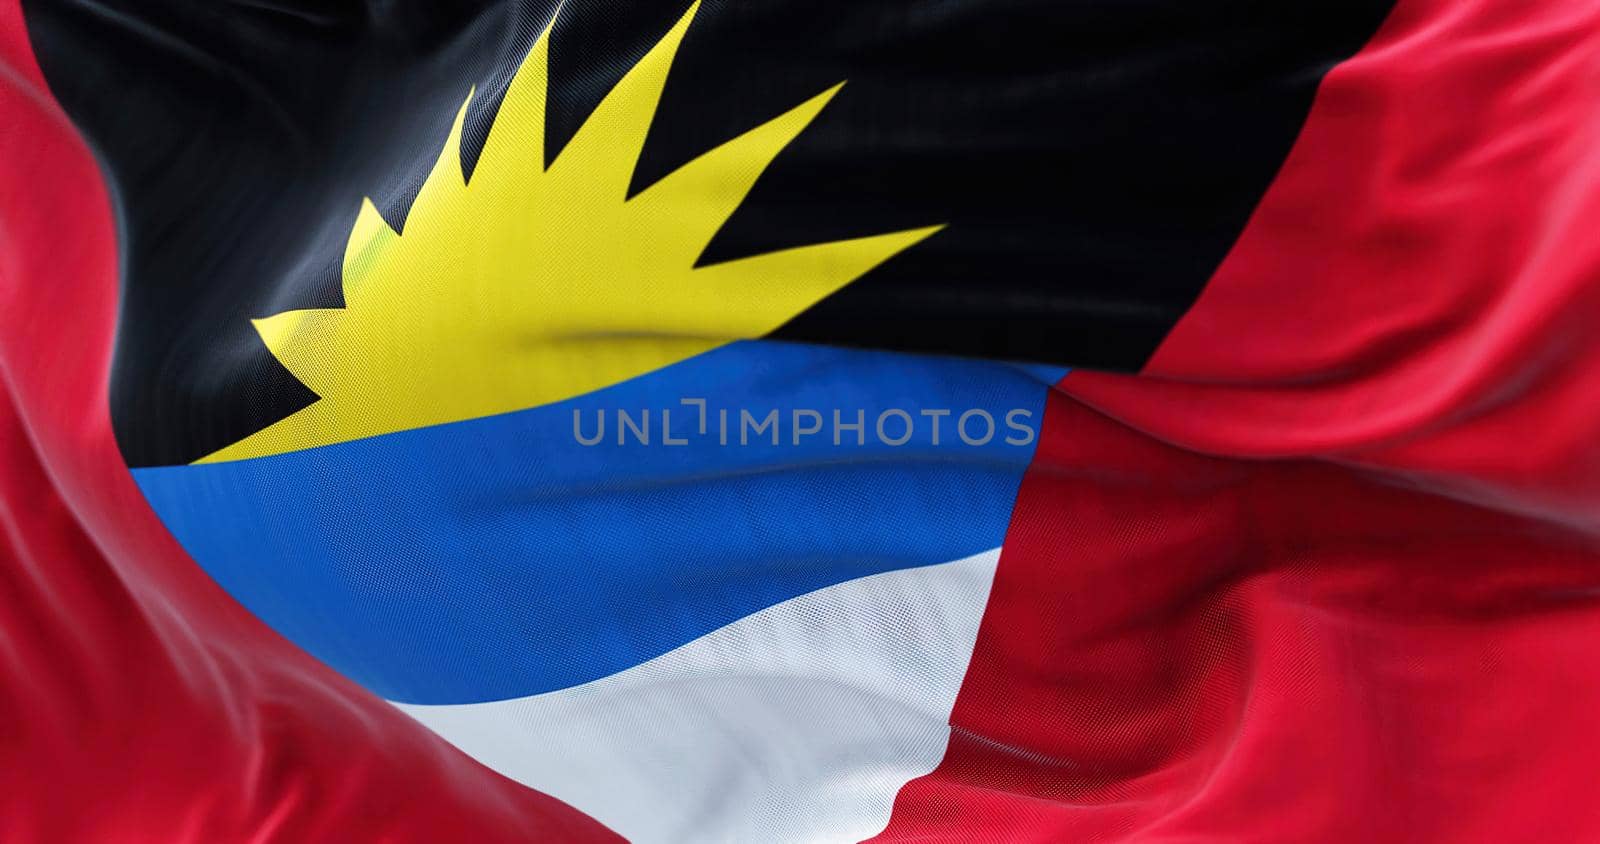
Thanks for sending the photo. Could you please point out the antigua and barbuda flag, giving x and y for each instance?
(777, 421)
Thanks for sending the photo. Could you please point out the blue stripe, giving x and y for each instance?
(497, 557)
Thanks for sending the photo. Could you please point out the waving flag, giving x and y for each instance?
(777, 421)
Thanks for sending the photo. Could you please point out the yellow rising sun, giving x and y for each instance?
(530, 285)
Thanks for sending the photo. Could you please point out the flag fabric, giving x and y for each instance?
(777, 421)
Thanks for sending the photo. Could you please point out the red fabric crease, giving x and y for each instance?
(140, 702)
(1329, 568)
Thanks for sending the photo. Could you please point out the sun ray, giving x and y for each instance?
(296, 338)
(702, 194)
(609, 142)
(509, 161)
(442, 191)
(812, 272)
(369, 238)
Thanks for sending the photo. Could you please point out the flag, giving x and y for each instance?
(714, 421)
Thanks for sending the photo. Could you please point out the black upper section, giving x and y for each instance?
(1094, 159)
